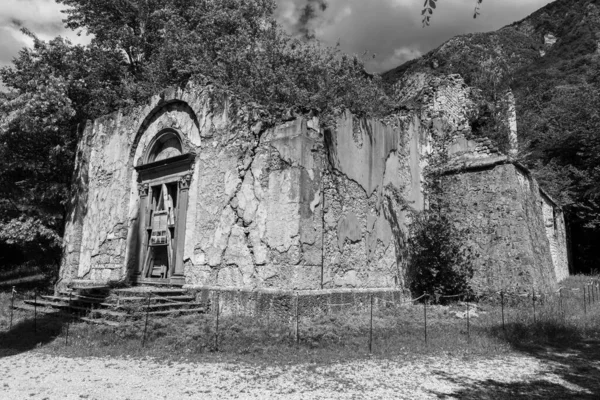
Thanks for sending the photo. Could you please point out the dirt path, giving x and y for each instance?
(37, 376)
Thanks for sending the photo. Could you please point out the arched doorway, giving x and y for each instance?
(164, 175)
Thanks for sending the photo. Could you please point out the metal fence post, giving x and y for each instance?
(69, 317)
(425, 316)
(269, 321)
(35, 311)
(502, 302)
(12, 307)
(533, 299)
(587, 294)
(371, 328)
(560, 303)
(584, 305)
(297, 322)
(217, 325)
(468, 326)
(146, 323)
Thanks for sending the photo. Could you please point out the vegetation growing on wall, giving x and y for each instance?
(440, 262)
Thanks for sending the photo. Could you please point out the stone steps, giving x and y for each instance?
(144, 291)
(51, 311)
(118, 306)
(73, 299)
(40, 309)
(154, 299)
(101, 321)
(120, 301)
(169, 305)
(52, 304)
(103, 317)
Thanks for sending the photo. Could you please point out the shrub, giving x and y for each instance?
(439, 262)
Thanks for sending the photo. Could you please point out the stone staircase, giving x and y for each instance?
(115, 307)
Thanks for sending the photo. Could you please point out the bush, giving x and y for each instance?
(439, 262)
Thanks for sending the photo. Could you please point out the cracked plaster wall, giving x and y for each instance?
(373, 164)
(267, 206)
(255, 215)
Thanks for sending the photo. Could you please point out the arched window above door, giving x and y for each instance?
(165, 145)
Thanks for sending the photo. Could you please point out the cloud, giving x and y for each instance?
(11, 41)
(398, 57)
(392, 30)
(42, 17)
(302, 17)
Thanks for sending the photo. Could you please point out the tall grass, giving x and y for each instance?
(397, 329)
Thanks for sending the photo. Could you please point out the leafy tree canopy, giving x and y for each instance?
(235, 43)
(55, 87)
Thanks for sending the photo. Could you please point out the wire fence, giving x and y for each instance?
(298, 320)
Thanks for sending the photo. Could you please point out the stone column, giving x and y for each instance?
(178, 277)
(143, 190)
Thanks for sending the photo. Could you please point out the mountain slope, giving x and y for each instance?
(551, 62)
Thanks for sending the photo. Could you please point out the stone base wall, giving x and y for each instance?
(281, 304)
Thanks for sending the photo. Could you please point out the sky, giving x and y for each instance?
(389, 32)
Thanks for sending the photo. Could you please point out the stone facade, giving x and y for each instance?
(295, 206)
(255, 210)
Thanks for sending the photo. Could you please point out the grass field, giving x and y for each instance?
(396, 330)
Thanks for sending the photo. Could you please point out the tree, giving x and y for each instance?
(234, 43)
(54, 88)
(559, 128)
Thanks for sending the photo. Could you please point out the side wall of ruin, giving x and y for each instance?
(502, 207)
(554, 221)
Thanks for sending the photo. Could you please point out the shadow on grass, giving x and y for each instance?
(571, 354)
(30, 333)
(492, 389)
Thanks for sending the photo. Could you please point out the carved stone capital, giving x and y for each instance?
(184, 182)
(143, 189)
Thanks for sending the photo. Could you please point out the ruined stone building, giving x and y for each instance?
(189, 190)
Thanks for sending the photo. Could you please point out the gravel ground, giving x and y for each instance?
(34, 375)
